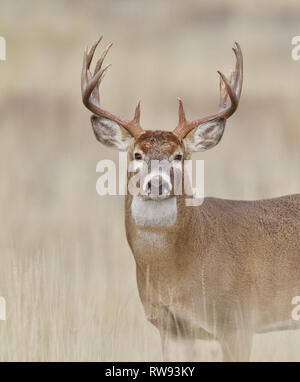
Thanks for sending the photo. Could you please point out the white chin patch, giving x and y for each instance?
(147, 212)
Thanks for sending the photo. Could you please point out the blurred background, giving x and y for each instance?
(66, 270)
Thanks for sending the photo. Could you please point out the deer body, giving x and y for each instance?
(223, 270)
(234, 265)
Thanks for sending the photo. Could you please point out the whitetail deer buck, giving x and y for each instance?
(223, 270)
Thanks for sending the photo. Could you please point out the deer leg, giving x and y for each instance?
(177, 348)
(236, 346)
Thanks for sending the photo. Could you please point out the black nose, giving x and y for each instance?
(155, 184)
(158, 186)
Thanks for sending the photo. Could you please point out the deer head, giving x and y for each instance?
(146, 146)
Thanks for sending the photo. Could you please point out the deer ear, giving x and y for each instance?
(110, 133)
(205, 136)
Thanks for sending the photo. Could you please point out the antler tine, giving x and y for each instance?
(91, 52)
(90, 90)
(137, 113)
(230, 92)
(90, 55)
(228, 110)
(95, 92)
(181, 113)
(238, 68)
(223, 92)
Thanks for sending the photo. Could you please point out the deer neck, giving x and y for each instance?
(156, 234)
(149, 214)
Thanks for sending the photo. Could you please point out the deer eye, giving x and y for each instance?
(137, 156)
(178, 157)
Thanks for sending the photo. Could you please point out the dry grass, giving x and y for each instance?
(65, 268)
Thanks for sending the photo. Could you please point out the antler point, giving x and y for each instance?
(181, 113)
(90, 87)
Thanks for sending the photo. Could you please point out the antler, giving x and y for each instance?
(230, 93)
(90, 91)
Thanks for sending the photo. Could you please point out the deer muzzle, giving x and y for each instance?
(157, 186)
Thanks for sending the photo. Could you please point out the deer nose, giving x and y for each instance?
(157, 185)
(155, 182)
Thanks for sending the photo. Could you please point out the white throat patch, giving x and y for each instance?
(154, 212)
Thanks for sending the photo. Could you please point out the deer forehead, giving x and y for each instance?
(158, 143)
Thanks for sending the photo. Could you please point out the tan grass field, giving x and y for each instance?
(66, 270)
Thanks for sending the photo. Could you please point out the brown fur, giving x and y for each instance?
(154, 142)
(223, 270)
(227, 269)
